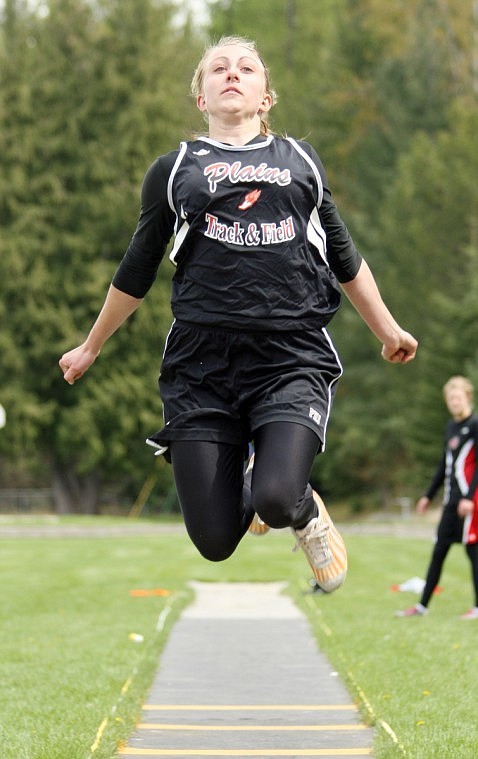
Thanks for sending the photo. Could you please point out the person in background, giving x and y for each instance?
(458, 472)
(261, 255)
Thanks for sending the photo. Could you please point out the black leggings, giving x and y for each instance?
(439, 555)
(218, 505)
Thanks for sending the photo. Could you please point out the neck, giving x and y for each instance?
(462, 415)
(234, 133)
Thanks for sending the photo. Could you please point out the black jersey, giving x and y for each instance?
(458, 472)
(458, 469)
(258, 242)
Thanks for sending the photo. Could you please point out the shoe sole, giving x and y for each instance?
(257, 526)
(332, 576)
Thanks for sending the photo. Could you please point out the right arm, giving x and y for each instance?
(136, 272)
(437, 481)
(118, 306)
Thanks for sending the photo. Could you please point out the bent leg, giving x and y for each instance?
(283, 497)
(209, 480)
(280, 490)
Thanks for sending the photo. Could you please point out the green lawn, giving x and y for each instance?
(73, 679)
(415, 676)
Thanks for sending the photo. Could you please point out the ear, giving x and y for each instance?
(266, 103)
(201, 103)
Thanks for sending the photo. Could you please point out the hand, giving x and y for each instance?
(465, 507)
(402, 350)
(76, 362)
(422, 504)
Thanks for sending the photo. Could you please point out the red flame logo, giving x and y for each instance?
(251, 198)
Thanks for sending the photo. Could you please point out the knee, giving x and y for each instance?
(214, 547)
(274, 504)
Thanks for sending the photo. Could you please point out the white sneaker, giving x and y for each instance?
(324, 548)
(471, 614)
(413, 611)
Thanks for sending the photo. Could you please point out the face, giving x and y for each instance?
(458, 403)
(234, 84)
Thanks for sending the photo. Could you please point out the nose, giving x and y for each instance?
(233, 73)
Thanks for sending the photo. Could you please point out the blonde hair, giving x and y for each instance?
(461, 383)
(197, 83)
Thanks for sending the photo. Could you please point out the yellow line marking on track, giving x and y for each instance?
(126, 685)
(99, 735)
(241, 728)
(251, 707)
(373, 718)
(247, 752)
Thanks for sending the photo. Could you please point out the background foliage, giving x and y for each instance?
(91, 92)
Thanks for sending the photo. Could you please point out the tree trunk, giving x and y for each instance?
(74, 493)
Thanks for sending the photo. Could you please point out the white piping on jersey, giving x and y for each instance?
(183, 146)
(329, 389)
(460, 467)
(448, 473)
(163, 449)
(316, 234)
(224, 146)
(179, 236)
(178, 240)
(315, 231)
(320, 187)
(167, 336)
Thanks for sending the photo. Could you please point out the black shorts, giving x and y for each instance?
(450, 527)
(221, 385)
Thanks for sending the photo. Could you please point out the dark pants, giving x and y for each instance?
(439, 555)
(218, 505)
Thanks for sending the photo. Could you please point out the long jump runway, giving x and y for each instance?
(241, 676)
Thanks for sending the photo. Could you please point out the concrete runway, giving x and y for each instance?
(241, 675)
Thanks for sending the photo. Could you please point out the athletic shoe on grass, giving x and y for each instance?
(414, 611)
(471, 614)
(324, 549)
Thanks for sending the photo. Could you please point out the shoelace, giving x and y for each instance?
(318, 532)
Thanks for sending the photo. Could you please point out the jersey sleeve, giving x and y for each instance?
(342, 254)
(438, 479)
(139, 265)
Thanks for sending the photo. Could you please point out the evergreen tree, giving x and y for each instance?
(96, 85)
(91, 92)
(434, 263)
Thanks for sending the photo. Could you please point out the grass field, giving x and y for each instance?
(73, 676)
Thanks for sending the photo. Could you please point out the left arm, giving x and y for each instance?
(357, 280)
(399, 347)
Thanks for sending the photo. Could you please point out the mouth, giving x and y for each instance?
(231, 90)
